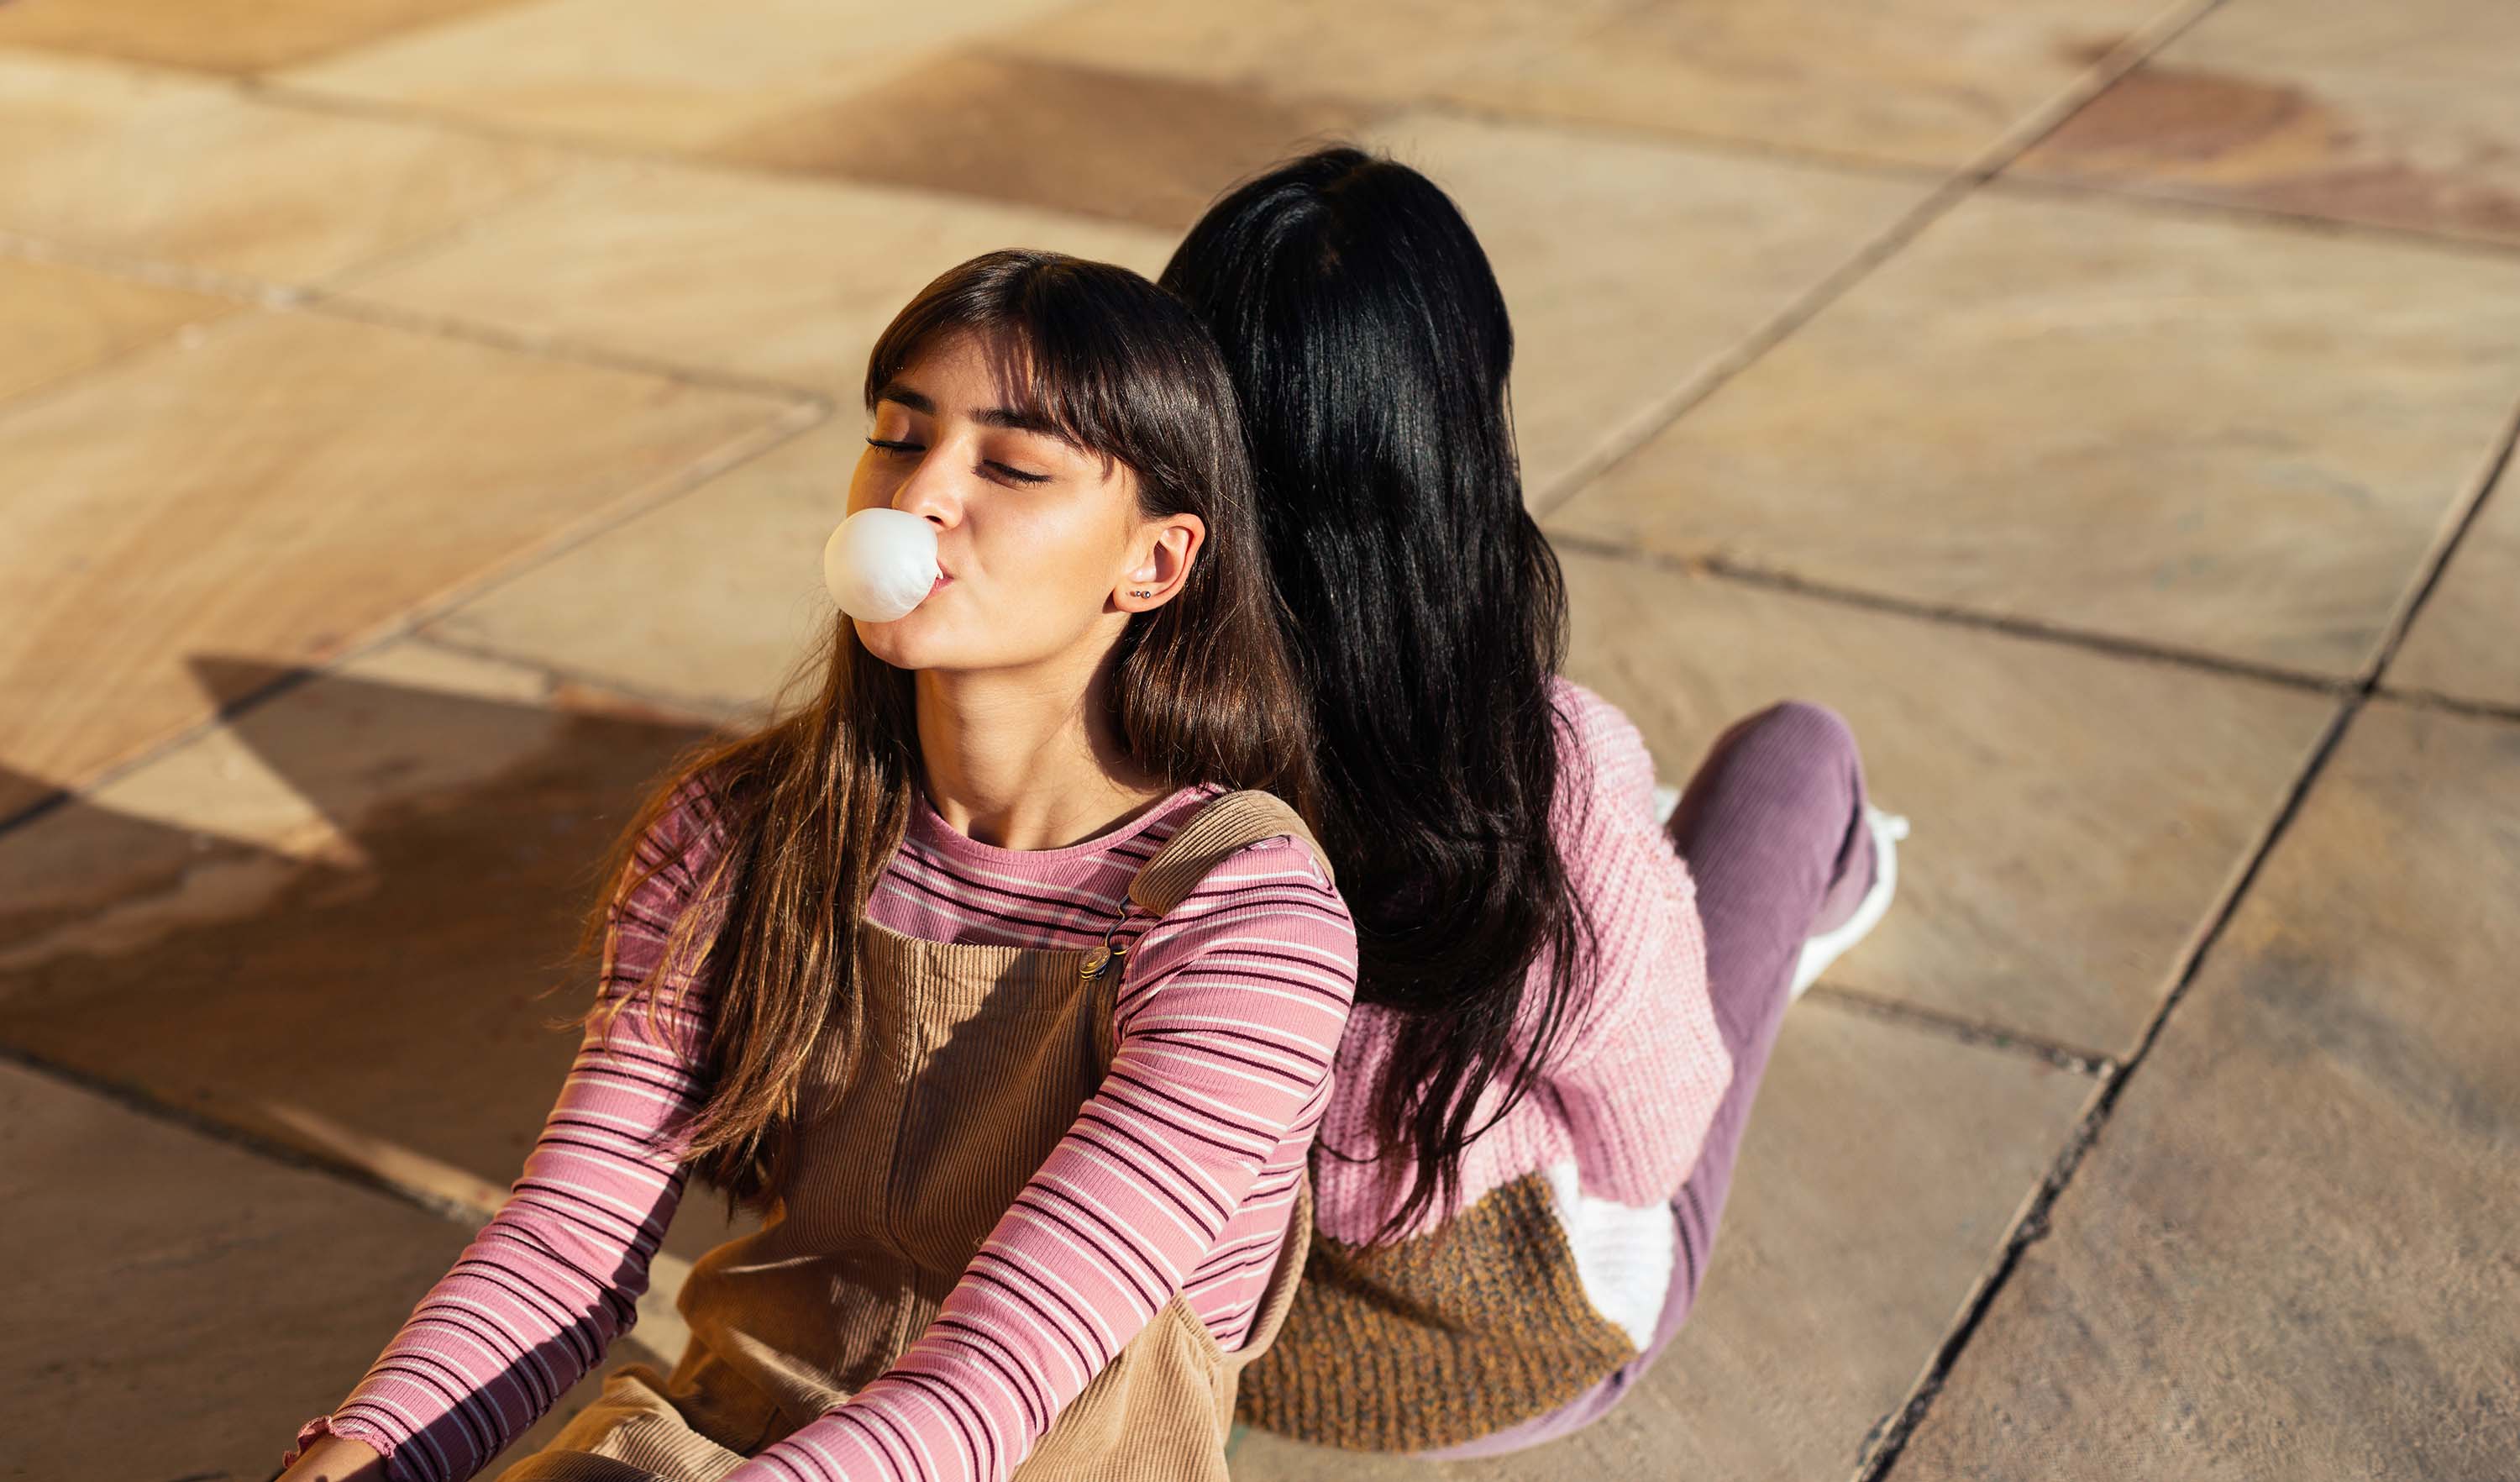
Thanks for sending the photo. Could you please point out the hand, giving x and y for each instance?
(336, 1459)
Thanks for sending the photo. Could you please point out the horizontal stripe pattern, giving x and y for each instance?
(1179, 1175)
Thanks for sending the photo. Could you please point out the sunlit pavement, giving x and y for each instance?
(417, 418)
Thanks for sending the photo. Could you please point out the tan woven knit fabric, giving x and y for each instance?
(1437, 1341)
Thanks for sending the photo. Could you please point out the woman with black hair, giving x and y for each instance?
(1564, 1003)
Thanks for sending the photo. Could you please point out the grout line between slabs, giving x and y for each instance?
(324, 298)
(2454, 534)
(699, 711)
(2377, 233)
(2010, 625)
(1952, 1026)
(281, 1151)
(337, 305)
(779, 430)
(1938, 202)
(2032, 1226)
(2451, 705)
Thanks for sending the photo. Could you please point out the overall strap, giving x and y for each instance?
(1228, 823)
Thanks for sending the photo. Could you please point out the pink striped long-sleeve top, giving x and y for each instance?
(1228, 1018)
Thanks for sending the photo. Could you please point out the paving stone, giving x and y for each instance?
(97, 155)
(281, 487)
(788, 280)
(656, 74)
(2215, 436)
(1882, 1170)
(2288, 1254)
(2078, 814)
(342, 918)
(1628, 266)
(719, 634)
(1388, 51)
(1051, 134)
(218, 35)
(57, 319)
(2398, 115)
(2465, 642)
(1931, 83)
(198, 1302)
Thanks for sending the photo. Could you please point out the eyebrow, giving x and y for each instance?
(994, 417)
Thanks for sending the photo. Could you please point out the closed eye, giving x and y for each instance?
(1016, 474)
(890, 446)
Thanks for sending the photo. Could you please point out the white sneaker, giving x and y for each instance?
(1821, 951)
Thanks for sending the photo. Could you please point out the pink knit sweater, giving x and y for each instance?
(1623, 1114)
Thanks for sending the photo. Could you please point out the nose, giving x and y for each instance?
(932, 490)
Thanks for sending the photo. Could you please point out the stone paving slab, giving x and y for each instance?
(785, 280)
(719, 635)
(96, 154)
(1882, 1169)
(1061, 136)
(59, 319)
(278, 487)
(2289, 1253)
(2399, 116)
(218, 35)
(2465, 642)
(2071, 412)
(1927, 82)
(189, 1304)
(1387, 52)
(341, 920)
(1631, 267)
(653, 73)
(2078, 816)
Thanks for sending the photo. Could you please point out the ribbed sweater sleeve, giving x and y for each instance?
(540, 1295)
(1228, 1013)
(1641, 1078)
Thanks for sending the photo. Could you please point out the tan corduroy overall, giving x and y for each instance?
(972, 1064)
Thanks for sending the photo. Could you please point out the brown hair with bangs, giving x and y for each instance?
(812, 805)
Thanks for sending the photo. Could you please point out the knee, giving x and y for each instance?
(1794, 734)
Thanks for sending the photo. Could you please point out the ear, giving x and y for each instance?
(1168, 545)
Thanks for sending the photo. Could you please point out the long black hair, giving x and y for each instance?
(1371, 349)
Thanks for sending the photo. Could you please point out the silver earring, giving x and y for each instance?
(1149, 593)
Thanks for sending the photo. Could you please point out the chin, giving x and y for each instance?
(890, 642)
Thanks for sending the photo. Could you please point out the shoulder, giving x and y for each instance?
(1264, 910)
(1604, 763)
(1282, 874)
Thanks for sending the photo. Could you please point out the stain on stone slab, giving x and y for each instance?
(2280, 146)
(1124, 146)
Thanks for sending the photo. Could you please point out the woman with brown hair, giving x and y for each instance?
(993, 975)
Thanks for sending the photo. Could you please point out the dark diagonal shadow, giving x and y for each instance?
(391, 978)
(377, 979)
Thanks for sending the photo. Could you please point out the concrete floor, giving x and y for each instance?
(2101, 404)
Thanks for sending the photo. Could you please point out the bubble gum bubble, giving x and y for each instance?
(879, 564)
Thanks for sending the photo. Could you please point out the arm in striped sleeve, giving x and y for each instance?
(1227, 1016)
(539, 1295)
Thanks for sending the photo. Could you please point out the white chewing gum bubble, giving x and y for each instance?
(879, 564)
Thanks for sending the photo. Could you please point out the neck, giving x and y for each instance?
(1027, 759)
